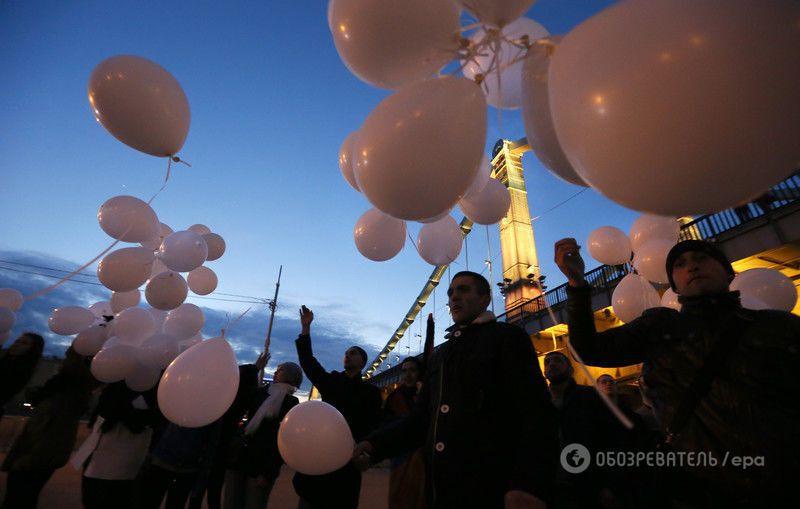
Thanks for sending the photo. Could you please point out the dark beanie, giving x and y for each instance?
(696, 245)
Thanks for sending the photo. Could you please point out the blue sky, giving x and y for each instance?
(271, 102)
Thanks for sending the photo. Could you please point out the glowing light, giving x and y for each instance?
(665, 56)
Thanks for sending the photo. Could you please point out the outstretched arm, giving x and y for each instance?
(311, 366)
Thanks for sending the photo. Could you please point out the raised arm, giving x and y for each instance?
(311, 366)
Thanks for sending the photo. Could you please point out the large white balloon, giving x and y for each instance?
(200, 384)
(157, 351)
(199, 229)
(609, 245)
(134, 325)
(216, 246)
(142, 378)
(140, 104)
(439, 243)
(670, 300)
(69, 320)
(648, 227)
(497, 13)
(539, 128)
(501, 62)
(166, 291)
(128, 218)
(650, 260)
(632, 296)
(89, 341)
(114, 362)
(663, 106)
(487, 206)
(314, 438)
(11, 298)
(399, 167)
(125, 269)
(390, 44)
(183, 251)
(184, 321)
(769, 286)
(379, 236)
(482, 176)
(125, 300)
(7, 319)
(346, 160)
(202, 280)
(155, 242)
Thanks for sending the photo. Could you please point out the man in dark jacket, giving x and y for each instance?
(723, 378)
(483, 416)
(359, 403)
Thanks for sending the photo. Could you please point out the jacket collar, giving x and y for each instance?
(485, 317)
(712, 303)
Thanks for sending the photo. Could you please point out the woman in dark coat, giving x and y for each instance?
(17, 364)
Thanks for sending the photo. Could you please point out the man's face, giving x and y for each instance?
(697, 273)
(353, 360)
(410, 374)
(606, 384)
(465, 301)
(557, 369)
(21, 345)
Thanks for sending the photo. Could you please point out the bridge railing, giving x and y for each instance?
(709, 227)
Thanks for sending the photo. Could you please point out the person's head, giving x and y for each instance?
(557, 367)
(468, 296)
(695, 267)
(411, 368)
(355, 358)
(288, 373)
(607, 384)
(29, 344)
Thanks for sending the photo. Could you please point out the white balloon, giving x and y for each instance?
(487, 206)
(157, 351)
(166, 291)
(114, 362)
(496, 13)
(69, 320)
(184, 321)
(314, 438)
(436, 217)
(186, 344)
(650, 260)
(609, 245)
(199, 229)
(159, 317)
(216, 246)
(128, 218)
(346, 159)
(752, 302)
(662, 105)
(482, 176)
(125, 269)
(158, 268)
(398, 167)
(125, 300)
(670, 300)
(154, 243)
(539, 128)
(140, 104)
(7, 319)
(142, 378)
(648, 227)
(183, 251)
(390, 44)
(200, 384)
(89, 341)
(632, 296)
(134, 325)
(202, 280)
(439, 243)
(102, 308)
(379, 236)
(769, 286)
(501, 63)
(11, 298)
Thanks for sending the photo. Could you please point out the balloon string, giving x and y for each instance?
(413, 243)
(72, 274)
(621, 417)
(231, 325)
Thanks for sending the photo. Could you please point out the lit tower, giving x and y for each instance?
(520, 264)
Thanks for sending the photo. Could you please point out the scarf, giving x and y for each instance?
(271, 406)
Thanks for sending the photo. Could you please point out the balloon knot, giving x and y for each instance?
(176, 159)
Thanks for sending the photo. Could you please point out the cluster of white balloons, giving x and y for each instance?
(418, 154)
(11, 301)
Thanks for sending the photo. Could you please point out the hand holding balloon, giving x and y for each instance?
(306, 317)
(569, 260)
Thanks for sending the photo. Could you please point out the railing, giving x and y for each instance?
(708, 227)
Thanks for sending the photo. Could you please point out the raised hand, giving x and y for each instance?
(569, 261)
(306, 317)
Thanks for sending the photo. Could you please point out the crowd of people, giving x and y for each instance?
(473, 423)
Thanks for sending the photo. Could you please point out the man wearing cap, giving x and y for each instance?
(359, 403)
(724, 380)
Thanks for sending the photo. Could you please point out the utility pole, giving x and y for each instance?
(273, 305)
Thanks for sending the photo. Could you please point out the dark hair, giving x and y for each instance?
(37, 347)
(416, 361)
(294, 374)
(481, 284)
(361, 352)
(556, 352)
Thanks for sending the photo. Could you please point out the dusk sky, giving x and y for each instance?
(271, 102)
